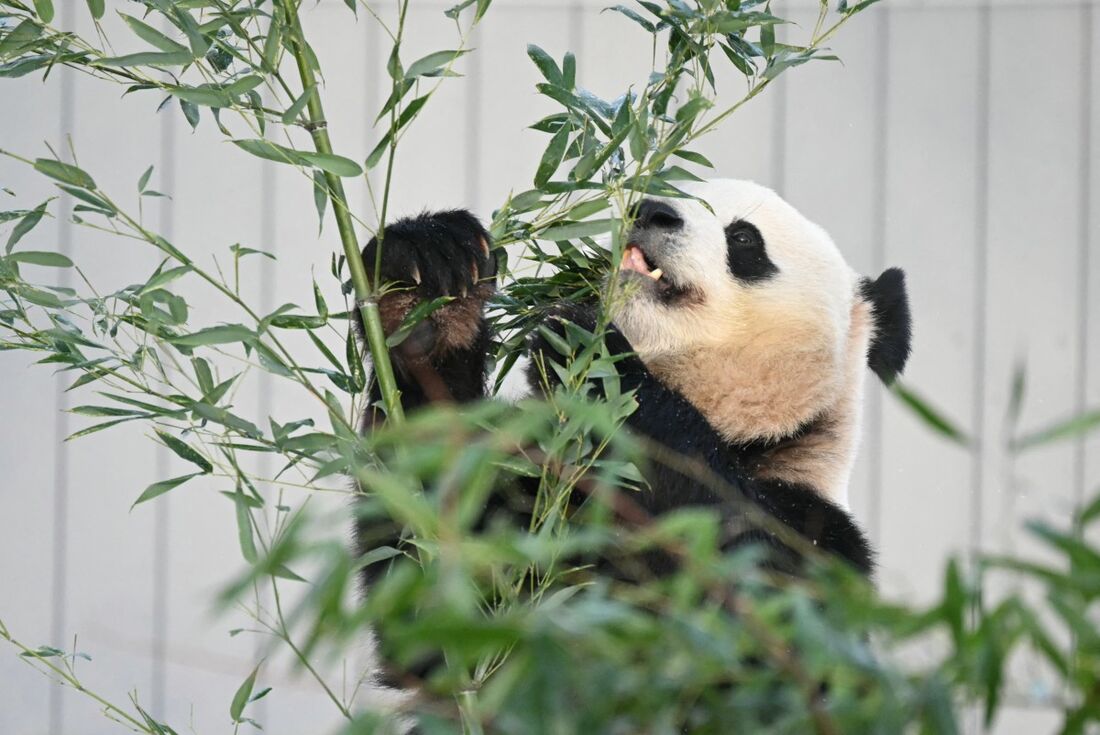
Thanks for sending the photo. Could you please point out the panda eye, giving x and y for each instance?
(746, 254)
(745, 236)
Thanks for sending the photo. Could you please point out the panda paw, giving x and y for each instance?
(433, 255)
(436, 254)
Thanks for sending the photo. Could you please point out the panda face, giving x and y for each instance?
(748, 270)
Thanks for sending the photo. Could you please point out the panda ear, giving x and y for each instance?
(889, 302)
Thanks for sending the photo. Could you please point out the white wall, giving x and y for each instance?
(958, 140)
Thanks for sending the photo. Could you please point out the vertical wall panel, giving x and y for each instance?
(216, 202)
(110, 564)
(29, 452)
(1033, 285)
(930, 221)
(1091, 181)
(509, 151)
(1033, 246)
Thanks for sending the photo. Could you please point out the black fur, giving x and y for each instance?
(746, 253)
(728, 482)
(890, 343)
(439, 247)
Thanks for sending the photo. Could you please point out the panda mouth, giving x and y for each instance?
(663, 288)
(634, 259)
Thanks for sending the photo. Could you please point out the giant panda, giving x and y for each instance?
(746, 338)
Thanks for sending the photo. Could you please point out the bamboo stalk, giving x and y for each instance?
(365, 298)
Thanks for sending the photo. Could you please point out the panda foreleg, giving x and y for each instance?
(440, 255)
(444, 357)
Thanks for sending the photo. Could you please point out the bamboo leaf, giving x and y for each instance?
(206, 96)
(929, 415)
(96, 7)
(44, 9)
(185, 451)
(149, 58)
(88, 197)
(25, 224)
(160, 488)
(245, 537)
(320, 199)
(1090, 512)
(295, 109)
(65, 172)
(553, 156)
(163, 278)
(578, 229)
(634, 16)
(433, 63)
(376, 154)
(418, 314)
(190, 113)
(243, 85)
(52, 260)
(199, 43)
(698, 158)
(273, 42)
(19, 38)
(222, 334)
(97, 427)
(1070, 428)
(154, 37)
(144, 180)
(270, 151)
(105, 411)
(546, 65)
(332, 163)
(225, 418)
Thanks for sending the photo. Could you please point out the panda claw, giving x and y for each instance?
(415, 275)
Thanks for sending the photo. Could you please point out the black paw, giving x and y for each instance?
(436, 254)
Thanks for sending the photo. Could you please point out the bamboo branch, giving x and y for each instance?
(365, 298)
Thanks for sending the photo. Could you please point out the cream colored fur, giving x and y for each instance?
(760, 360)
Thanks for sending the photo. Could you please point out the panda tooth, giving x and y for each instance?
(656, 274)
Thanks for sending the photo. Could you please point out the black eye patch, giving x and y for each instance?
(745, 253)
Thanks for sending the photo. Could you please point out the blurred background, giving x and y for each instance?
(958, 139)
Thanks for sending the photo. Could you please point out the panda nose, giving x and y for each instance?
(651, 213)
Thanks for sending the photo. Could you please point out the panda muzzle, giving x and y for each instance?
(635, 260)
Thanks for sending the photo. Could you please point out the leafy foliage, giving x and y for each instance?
(514, 636)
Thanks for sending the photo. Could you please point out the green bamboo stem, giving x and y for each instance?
(365, 299)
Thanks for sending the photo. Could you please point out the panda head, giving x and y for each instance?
(749, 309)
